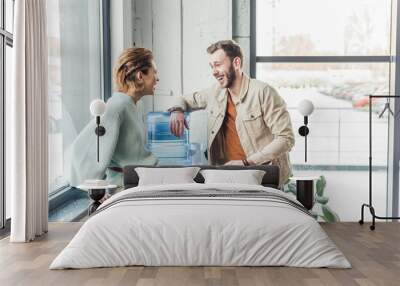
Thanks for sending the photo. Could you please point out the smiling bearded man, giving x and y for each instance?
(248, 123)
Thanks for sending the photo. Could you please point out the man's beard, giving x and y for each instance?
(230, 77)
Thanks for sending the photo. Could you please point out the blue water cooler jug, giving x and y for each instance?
(169, 149)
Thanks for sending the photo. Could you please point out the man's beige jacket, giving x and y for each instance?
(262, 122)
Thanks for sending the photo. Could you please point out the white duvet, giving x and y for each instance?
(200, 231)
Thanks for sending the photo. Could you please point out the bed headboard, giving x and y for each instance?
(270, 179)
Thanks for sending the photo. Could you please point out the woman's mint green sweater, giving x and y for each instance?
(123, 143)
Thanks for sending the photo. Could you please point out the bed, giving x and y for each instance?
(201, 224)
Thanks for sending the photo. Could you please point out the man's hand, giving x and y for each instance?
(235, 163)
(239, 163)
(177, 123)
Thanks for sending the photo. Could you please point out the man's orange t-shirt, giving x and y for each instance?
(233, 148)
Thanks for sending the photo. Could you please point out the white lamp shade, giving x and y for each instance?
(97, 107)
(305, 107)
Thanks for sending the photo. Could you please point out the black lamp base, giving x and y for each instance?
(304, 131)
(100, 130)
(305, 193)
(96, 195)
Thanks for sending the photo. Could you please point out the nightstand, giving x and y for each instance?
(96, 193)
(305, 190)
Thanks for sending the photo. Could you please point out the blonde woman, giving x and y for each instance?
(135, 75)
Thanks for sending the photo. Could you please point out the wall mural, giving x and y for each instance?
(337, 146)
(248, 125)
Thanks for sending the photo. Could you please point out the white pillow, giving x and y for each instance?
(164, 176)
(248, 177)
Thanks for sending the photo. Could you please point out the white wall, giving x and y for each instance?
(167, 48)
(241, 29)
(122, 26)
(204, 22)
(179, 32)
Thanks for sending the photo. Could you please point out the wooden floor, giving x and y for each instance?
(374, 255)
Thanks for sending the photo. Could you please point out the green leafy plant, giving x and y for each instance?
(320, 208)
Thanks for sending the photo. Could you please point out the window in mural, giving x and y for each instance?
(75, 79)
(74, 43)
(336, 64)
(323, 28)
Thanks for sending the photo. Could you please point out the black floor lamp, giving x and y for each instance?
(370, 205)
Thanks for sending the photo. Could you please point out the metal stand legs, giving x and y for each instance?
(372, 210)
(370, 206)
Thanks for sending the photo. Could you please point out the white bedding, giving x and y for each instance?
(200, 231)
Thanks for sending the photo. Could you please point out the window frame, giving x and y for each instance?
(6, 39)
(106, 48)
